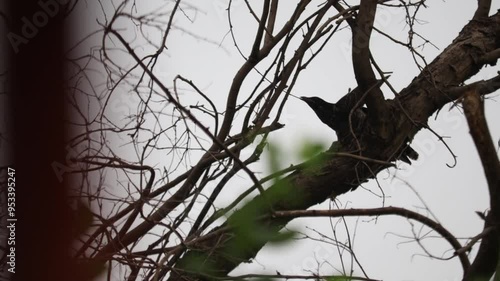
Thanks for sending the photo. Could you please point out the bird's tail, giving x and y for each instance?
(408, 153)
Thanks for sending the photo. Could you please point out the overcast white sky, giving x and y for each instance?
(453, 195)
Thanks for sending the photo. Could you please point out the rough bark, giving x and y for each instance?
(437, 85)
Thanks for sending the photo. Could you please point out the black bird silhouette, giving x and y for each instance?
(336, 116)
(333, 115)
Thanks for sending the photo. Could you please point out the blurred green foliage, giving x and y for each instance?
(250, 226)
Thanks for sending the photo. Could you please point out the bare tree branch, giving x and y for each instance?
(362, 67)
(380, 212)
(486, 261)
(483, 8)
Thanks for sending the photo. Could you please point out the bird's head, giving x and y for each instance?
(317, 103)
(324, 110)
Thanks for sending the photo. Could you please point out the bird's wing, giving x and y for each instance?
(347, 102)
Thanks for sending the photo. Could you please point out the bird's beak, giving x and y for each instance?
(303, 98)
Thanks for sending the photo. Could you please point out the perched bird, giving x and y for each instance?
(336, 116)
(324, 110)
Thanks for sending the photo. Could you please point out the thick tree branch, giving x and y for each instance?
(261, 30)
(482, 88)
(486, 260)
(361, 44)
(474, 112)
(365, 77)
(490, 58)
(270, 22)
(483, 8)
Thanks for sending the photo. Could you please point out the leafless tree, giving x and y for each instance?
(150, 156)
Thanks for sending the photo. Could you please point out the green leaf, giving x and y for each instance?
(199, 262)
(311, 149)
(274, 158)
(283, 237)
